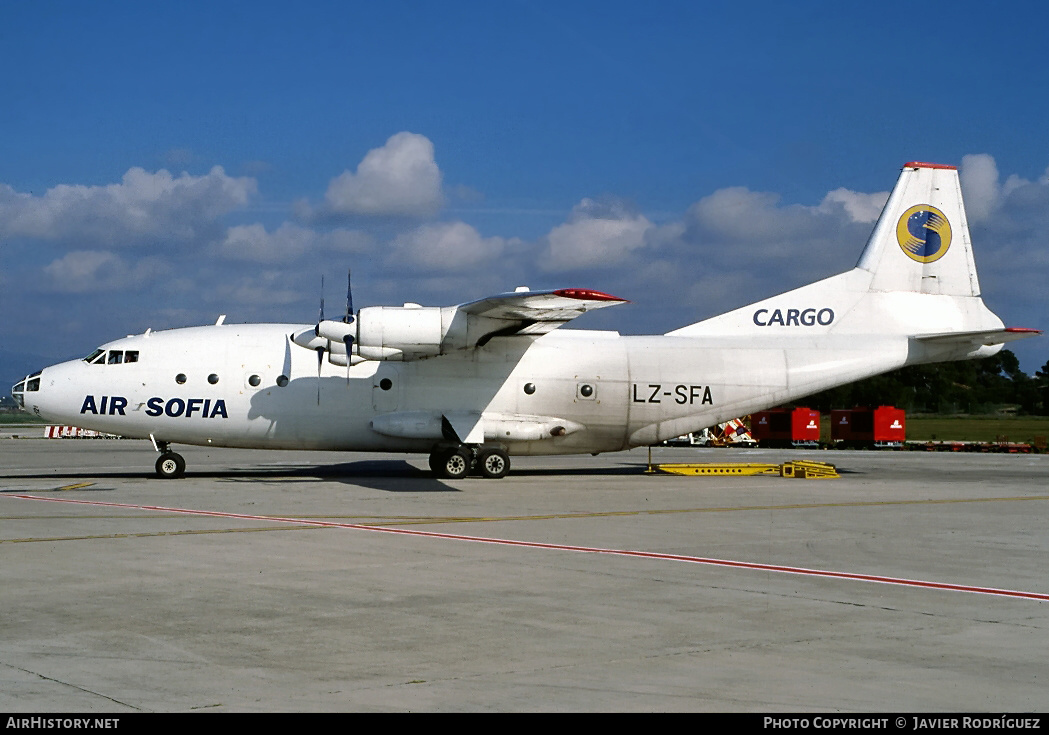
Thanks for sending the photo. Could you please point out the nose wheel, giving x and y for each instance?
(171, 466)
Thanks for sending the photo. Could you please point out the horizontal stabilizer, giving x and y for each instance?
(986, 337)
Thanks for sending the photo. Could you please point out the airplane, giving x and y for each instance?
(477, 383)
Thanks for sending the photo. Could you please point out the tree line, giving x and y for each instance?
(970, 386)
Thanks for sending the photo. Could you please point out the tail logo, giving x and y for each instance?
(924, 233)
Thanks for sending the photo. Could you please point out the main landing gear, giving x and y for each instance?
(170, 465)
(453, 462)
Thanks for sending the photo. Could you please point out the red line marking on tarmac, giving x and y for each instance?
(802, 571)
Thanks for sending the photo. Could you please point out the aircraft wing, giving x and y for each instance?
(538, 312)
(989, 337)
(413, 332)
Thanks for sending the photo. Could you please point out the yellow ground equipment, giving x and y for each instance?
(800, 469)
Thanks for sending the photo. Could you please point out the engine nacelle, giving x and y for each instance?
(400, 332)
(336, 331)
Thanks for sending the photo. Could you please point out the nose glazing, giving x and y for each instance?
(30, 384)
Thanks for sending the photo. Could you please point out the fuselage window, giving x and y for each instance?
(180, 378)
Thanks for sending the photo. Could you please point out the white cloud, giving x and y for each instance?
(597, 234)
(143, 208)
(445, 246)
(737, 214)
(265, 289)
(85, 271)
(399, 179)
(736, 220)
(739, 245)
(287, 243)
(979, 178)
(859, 206)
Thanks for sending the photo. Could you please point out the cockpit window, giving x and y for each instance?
(29, 385)
(113, 357)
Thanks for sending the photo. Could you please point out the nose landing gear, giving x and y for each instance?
(170, 465)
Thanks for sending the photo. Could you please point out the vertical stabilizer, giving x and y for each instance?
(921, 242)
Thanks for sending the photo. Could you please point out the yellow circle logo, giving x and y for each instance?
(924, 233)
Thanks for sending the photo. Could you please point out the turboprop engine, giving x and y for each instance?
(402, 332)
(409, 332)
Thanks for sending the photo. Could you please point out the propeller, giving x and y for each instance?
(347, 336)
(320, 350)
(348, 319)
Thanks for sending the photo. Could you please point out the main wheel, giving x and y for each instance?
(451, 464)
(435, 462)
(493, 463)
(171, 466)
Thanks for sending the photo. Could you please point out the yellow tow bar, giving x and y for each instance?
(800, 469)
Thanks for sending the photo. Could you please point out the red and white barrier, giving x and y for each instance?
(75, 432)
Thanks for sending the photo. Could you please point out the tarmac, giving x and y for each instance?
(319, 581)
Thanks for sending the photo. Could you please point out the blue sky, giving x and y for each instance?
(161, 164)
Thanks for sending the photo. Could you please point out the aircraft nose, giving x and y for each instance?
(29, 384)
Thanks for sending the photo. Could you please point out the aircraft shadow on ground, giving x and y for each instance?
(387, 475)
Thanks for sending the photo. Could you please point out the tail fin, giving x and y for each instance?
(921, 242)
(916, 275)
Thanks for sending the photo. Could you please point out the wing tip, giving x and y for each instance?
(587, 294)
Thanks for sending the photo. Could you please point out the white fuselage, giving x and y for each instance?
(613, 391)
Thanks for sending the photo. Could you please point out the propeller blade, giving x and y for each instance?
(349, 298)
(348, 319)
(320, 361)
(320, 314)
(348, 341)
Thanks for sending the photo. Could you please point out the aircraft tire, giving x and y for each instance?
(452, 464)
(171, 466)
(435, 462)
(493, 463)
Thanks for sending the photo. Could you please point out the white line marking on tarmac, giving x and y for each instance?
(801, 571)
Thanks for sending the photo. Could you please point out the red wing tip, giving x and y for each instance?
(586, 294)
(1023, 330)
(922, 164)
